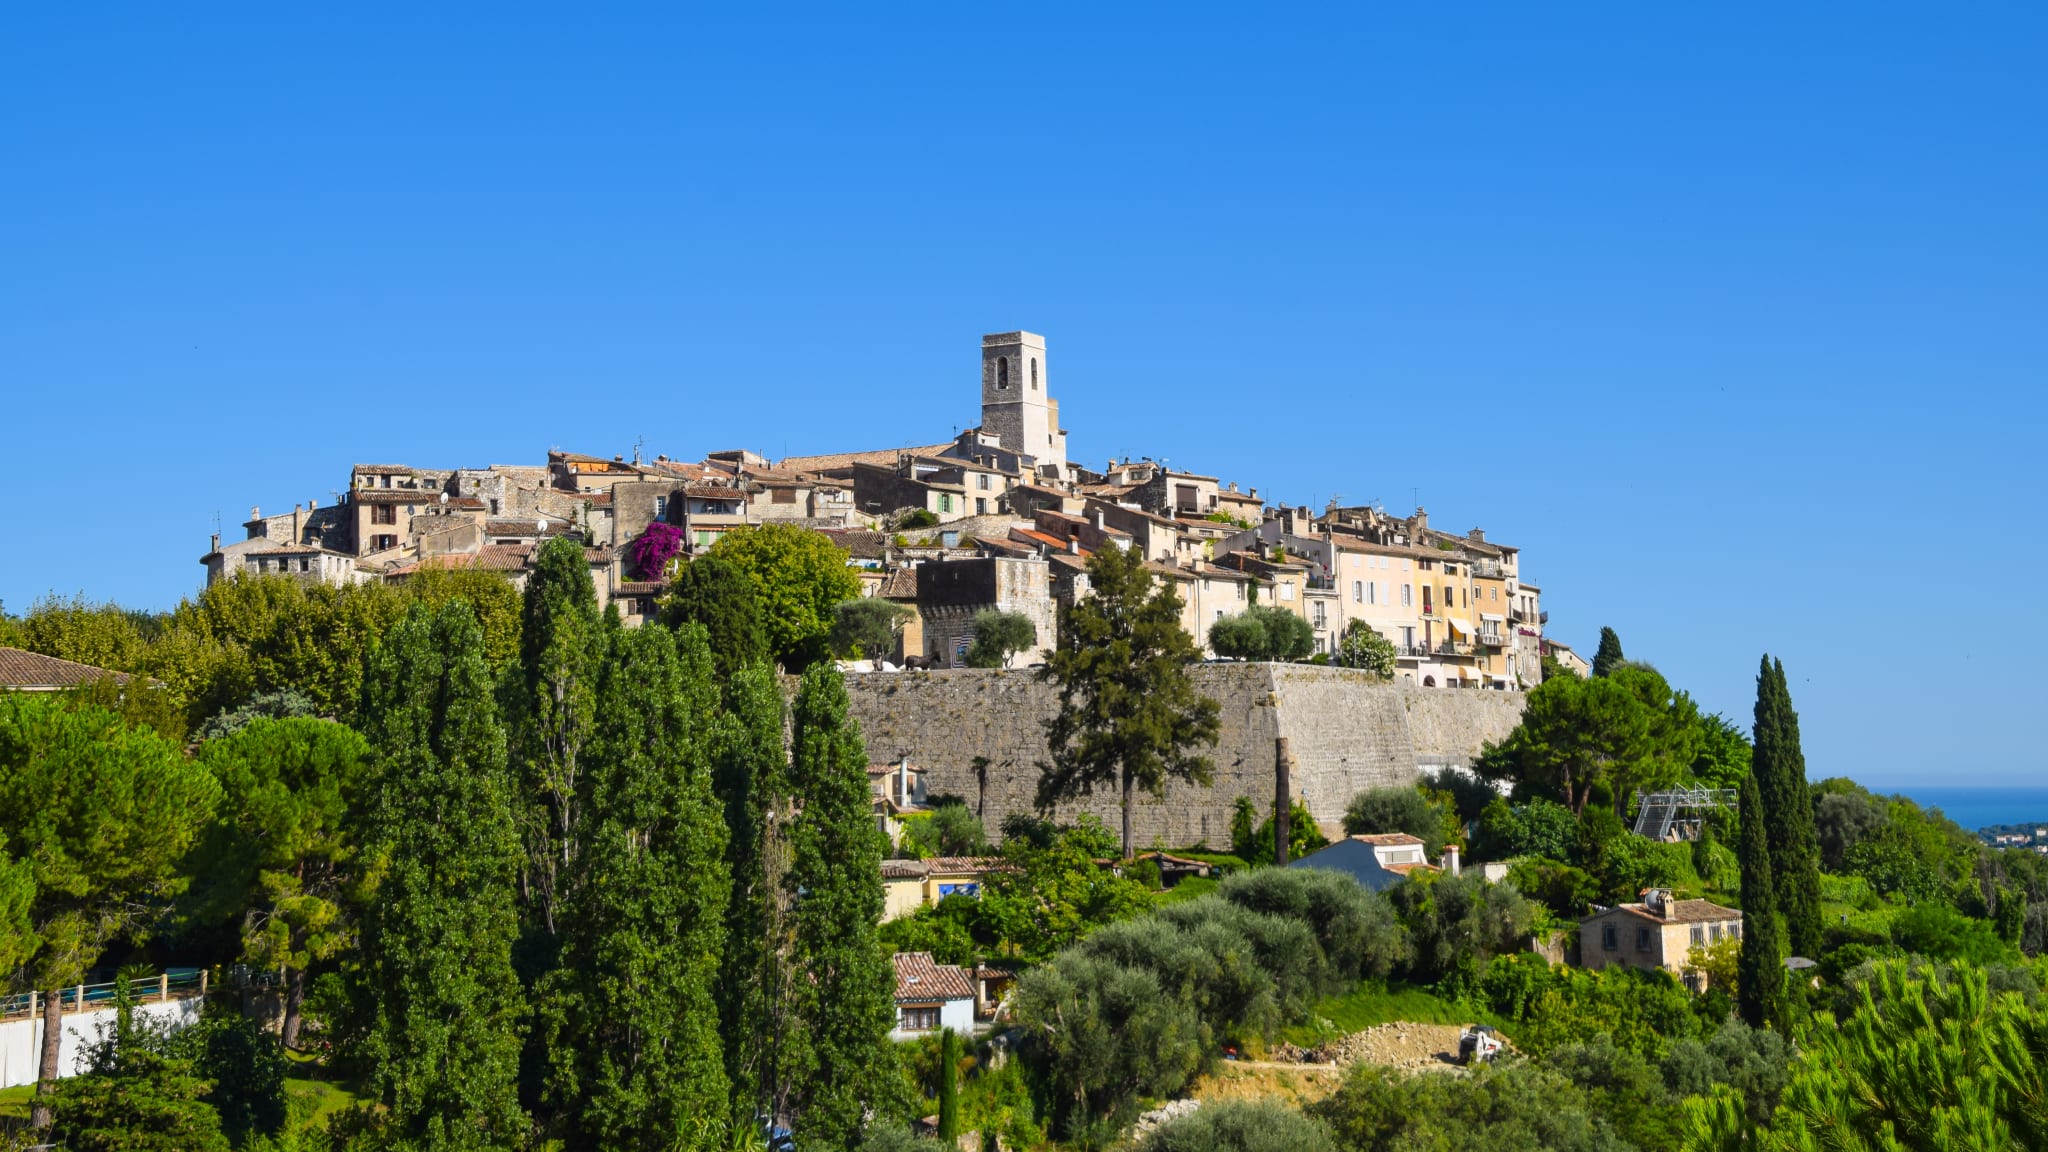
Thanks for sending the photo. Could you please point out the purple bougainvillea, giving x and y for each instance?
(654, 548)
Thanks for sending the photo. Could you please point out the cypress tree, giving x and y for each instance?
(1760, 972)
(634, 1040)
(715, 592)
(1780, 769)
(436, 956)
(949, 1087)
(1608, 656)
(842, 991)
(551, 704)
(750, 776)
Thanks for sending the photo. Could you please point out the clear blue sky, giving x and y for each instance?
(1733, 319)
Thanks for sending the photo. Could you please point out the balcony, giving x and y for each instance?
(1427, 610)
(1521, 616)
(1493, 640)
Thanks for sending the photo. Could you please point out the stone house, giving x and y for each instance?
(931, 996)
(950, 593)
(1659, 932)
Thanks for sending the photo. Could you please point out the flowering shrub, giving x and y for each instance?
(654, 548)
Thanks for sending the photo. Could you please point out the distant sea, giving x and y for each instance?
(1975, 808)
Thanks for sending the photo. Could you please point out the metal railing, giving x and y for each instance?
(183, 984)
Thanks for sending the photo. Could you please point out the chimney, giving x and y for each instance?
(298, 523)
(903, 782)
(1478, 535)
(1451, 859)
(1233, 485)
(216, 541)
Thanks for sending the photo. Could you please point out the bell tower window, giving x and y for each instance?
(1002, 373)
(1034, 373)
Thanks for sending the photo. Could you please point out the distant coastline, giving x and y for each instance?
(1978, 808)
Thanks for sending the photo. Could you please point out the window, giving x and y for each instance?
(1493, 593)
(782, 496)
(1322, 620)
(1642, 939)
(1034, 373)
(1002, 373)
(1240, 588)
(1287, 591)
(380, 543)
(1407, 595)
(1407, 636)
(1699, 934)
(1716, 934)
(945, 502)
(661, 507)
(1735, 930)
(383, 514)
(981, 481)
(920, 1019)
(1372, 592)
(1607, 935)
(1357, 592)
(305, 565)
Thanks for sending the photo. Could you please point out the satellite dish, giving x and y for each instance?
(444, 498)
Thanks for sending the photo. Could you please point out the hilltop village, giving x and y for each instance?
(997, 517)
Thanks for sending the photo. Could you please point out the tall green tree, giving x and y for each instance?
(949, 1087)
(866, 627)
(799, 576)
(1608, 656)
(1760, 971)
(1780, 770)
(101, 812)
(632, 1008)
(552, 709)
(844, 1001)
(719, 594)
(436, 959)
(750, 776)
(998, 637)
(1129, 715)
(1576, 736)
(283, 852)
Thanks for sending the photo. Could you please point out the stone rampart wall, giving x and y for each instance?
(1345, 733)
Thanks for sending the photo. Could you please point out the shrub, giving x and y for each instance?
(1395, 809)
(1240, 1126)
(1514, 1105)
(654, 548)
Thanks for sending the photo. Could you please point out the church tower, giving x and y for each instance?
(1016, 407)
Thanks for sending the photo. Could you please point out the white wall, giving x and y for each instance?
(21, 1041)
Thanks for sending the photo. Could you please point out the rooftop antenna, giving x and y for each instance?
(637, 442)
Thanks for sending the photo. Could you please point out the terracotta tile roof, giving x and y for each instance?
(1682, 912)
(833, 460)
(1033, 536)
(961, 865)
(640, 587)
(920, 979)
(1386, 839)
(33, 670)
(394, 496)
(859, 543)
(529, 526)
(713, 492)
(901, 585)
(904, 870)
(1405, 869)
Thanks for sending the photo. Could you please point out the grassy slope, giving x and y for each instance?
(1376, 1003)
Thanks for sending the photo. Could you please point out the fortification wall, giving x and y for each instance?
(1345, 733)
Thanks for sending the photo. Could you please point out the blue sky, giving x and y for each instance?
(1732, 319)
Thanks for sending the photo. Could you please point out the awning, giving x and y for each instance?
(1458, 626)
(1492, 617)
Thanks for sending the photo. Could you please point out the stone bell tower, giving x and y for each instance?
(1016, 406)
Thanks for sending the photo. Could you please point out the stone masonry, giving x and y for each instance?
(1345, 733)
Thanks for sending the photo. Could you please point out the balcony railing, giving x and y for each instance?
(1493, 639)
(1521, 616)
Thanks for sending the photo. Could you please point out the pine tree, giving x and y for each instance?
(1608, 656)
(1129, 714)
(436, 954)
(637, 1062)
(842, 989)
(750, 776)
(1780, 769)
(1760, 972)
(551, 707)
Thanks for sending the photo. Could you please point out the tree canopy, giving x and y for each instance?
(1262, 632)
(998, 637)
(798, 576)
